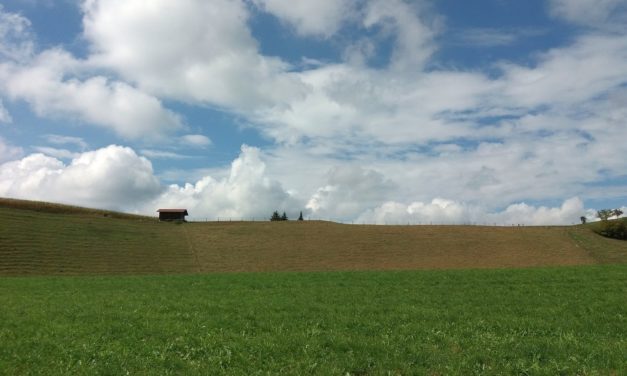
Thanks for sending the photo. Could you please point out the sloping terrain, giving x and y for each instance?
(48, 239)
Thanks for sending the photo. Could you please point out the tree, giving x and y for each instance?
(275, 216)
(300, 217)
(605, 214)
(583, 220)
(284, 217)
(617, 213)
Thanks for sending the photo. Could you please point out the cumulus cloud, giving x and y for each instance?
(442, 211)
(542, 129)
(97, 100)
(244, 194)
(311, 17)
(190, 50)
(117, 178)
(114, 177)
(56, 84)
(347, 191)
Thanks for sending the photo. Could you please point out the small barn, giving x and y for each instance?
(172, 214)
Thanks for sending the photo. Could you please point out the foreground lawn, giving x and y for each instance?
(530, 321)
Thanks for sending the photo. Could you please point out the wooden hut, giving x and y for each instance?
(172, 214)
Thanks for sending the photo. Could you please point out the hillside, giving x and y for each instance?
(49, 239)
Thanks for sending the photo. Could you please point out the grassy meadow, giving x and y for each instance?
(540, 321)
(47, 239)
(85, 291)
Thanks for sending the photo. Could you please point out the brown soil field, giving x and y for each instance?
(47, 239)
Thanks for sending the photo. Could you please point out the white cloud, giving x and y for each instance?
(190, 50)
(56, 139)
(97, 100)
(311, 17)
(55, 83)
(570, 75)
(162, 154)
(488, 37)
(534, 131)
(568, 213)
(362, 105)
(431, 137)
(599, 13)
(113, 177)
(9, 152)
(442, 211)
(408, 23)
(347, 191)
(117, 178)
(56, 152)
(196, 140)
(244, 194)
(15, 36)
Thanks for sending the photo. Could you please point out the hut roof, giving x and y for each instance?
(173, 211)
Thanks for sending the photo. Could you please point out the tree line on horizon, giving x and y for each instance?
(277, 217)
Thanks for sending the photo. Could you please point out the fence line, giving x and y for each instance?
(353, 222)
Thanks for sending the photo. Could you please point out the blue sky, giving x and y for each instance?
(376, 111)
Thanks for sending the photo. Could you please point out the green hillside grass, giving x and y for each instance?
(543, 321)
(539, 321)
(47, 239)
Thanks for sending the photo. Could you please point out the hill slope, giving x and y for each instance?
(46, 239)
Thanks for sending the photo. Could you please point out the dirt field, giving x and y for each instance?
(38, 241)
(329, 246)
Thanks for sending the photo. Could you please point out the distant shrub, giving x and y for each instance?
(277, 217)
(616, 229)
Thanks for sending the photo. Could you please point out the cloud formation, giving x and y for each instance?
(96, 100)
(442, 211)
(16, 40)
(596, 13)
(311, 17)
(391, 126)
(191, 50)
(57, 84)
(348, 190)
(117, 178)
(114, 177)
(245, 193)
(9, 152)
(196, 140)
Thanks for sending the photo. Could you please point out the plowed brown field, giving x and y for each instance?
(37, 239)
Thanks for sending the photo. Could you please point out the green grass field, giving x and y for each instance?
(543, 321)
(85, 291)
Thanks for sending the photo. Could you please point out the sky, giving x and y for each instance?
(363, 111)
